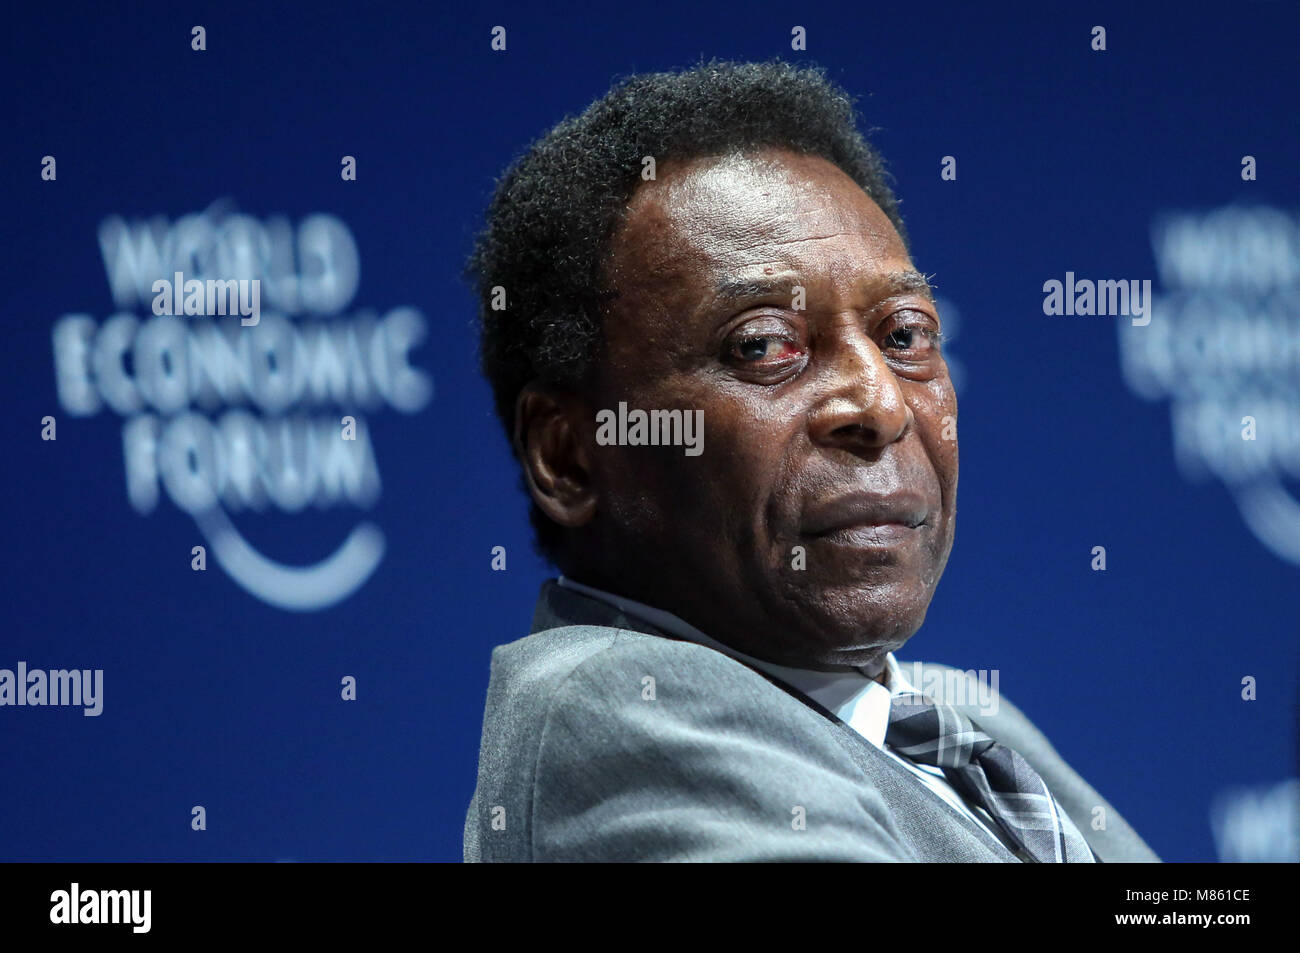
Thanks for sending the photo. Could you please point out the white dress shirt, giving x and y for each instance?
(855, 698)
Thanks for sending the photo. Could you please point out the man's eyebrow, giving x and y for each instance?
(912, 281)
(739, 289)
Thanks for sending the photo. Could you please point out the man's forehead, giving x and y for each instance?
(722, 224)
(775, 194)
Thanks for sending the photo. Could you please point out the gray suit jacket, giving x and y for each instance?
(576, 764)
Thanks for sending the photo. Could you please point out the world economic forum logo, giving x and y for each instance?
(1223, 346)
(243, 384)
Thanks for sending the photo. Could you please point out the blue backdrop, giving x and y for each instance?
(1077, 431)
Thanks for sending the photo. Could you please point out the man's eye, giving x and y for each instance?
(765, 348)
(918, 336)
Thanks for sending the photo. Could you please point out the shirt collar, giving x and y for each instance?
(855, 698)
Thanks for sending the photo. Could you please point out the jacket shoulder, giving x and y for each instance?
(618, 745)
(526, 677)
(659, 749)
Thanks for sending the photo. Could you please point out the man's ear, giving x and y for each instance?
(548, 442)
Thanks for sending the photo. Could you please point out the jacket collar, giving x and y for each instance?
(558, 607)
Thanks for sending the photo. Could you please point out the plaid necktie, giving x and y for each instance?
(989, 774)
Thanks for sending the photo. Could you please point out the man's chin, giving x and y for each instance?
(854, 622)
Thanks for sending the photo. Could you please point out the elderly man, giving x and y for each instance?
(712, 676)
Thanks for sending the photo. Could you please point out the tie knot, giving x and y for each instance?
(928, 732)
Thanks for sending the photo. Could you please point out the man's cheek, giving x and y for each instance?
(654, 484)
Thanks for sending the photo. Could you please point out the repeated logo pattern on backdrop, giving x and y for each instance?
(226, 414)
(1224, 349)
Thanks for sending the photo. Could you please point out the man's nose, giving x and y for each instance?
(862, 407)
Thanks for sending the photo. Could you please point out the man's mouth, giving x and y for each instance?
(867, 516)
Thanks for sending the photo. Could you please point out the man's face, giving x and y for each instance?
(814, 526)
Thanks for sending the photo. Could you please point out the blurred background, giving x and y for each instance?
(1168, 679)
